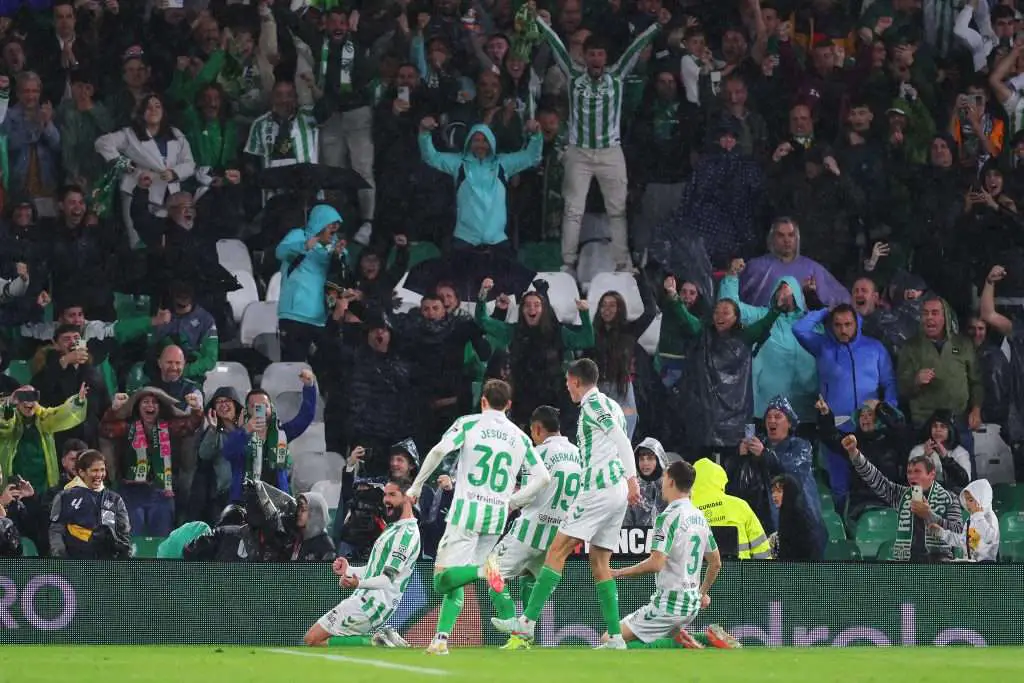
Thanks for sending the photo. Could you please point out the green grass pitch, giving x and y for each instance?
(143, 664)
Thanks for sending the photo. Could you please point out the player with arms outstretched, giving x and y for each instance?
(380, 585)
(492, 450)
(682, 542)
(609, 486)
(522, 551)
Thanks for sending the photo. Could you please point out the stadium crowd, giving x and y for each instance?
(795, 224)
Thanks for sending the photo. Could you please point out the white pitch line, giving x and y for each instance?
(367, 662)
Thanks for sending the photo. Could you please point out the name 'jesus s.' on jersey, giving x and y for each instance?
(492, 450)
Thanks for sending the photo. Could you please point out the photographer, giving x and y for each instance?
(87, 520)
(261, 535)
(364, 521)
(28, 452)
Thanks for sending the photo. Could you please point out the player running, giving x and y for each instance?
(379, 585)
(522, 551)
(682, 541)
(609, 485)
(492, 450)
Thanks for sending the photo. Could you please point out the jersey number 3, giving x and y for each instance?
(492, 469)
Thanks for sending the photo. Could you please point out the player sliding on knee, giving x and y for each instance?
(522, 551)
(609, 486)
(492, 450)
(361, 619)
(682, 541)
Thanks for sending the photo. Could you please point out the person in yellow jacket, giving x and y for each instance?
(721, 509)
(26, 435)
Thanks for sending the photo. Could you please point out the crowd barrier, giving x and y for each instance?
(764, 603)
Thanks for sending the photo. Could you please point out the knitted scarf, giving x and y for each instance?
(267, 454)
(940, 501)
(152, 452)
(346, 61)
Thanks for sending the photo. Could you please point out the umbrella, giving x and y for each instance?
(466, 270)
(311, 178)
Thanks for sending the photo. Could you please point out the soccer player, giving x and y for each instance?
(379, 585)
(682, 541)
(522, 551)
(492, 450)
(609, 485)
(595, 145)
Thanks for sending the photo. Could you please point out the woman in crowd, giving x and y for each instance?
(796, 539)
(88, 520)
(155, 149)
(941, 442)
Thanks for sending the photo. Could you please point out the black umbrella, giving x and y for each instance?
(306, 178)
(466, 270)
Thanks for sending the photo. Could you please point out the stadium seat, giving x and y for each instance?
(241, 298)
(648, 341)
(1011, 527)
(541, 256)
(335, 466)
(128, 306)
(825, 496)
(885, 552)
(288, 403)
(330, 490)
(259, 329)
(274, 288)
(833, 524)
(313, 440)
(279, 378)
(226, 374)
(418, 253)
(136, 378)
(874, 528)
(28, 548)
(993, 458)
(841, 550)
(1005, 498)
(233, 255)
(1012, 551)
(563, 293)
(20, 371)
(145, 547)
(624, 284)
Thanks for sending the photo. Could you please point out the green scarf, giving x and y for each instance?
(269, 454)
(940, 501)
(106, 188)
(526, 34)
(346, 61)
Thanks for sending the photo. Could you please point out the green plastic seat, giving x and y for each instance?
(833, 524)
(136, 378)
(1012, 551)
(543, 257)
(885, 551)
(827, 501)
(841, 550)
(874, 528)
(418, 253)
(145, 547)
(128, 306)
(1007, 498)
(1011, 527)
(20, 371)
(28, 548)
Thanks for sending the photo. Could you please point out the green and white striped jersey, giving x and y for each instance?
(595, 105)
(539, 521)
(1014, 106)
(683, 534)
(302, 147)
(599, 415)
(492, 450)
(397, 549)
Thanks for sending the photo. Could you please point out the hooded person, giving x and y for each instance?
(979, 541)
(211, 486)
(311, 542)
(481, 181)
(88, 521)
(150, 443)
(941, 443)
(788, 454)
(723, 510)
(306, 255)
(781, 366)
(651, 463)
(259, 448)
(796, 539)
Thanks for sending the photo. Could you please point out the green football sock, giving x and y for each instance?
(504, 608)
(526, 584)
(659, 644)
(348, 641)
(701, 638)
(547, 582)
(451, 606)
(608, 598)
(455, 577)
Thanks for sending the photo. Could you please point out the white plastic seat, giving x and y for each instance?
(649, 339)
(313, 440)
(624, 284)
(233, 255)
(227, 374)
(259, 318)
(330, 490)
(274, 288)
(281, 377)
(563, 294)
(241, 298)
